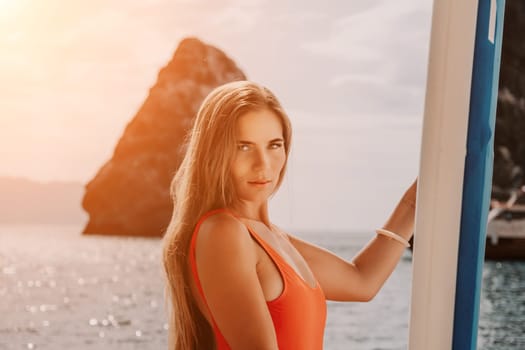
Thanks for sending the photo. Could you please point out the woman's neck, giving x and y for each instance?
(252, 211)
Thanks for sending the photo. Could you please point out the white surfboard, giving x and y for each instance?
(455, 173)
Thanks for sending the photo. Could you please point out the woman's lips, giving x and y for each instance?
(259, 182)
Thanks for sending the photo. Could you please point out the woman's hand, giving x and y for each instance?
(402, 219)
(411, 194)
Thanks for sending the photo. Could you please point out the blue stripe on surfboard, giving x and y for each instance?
(478, 176)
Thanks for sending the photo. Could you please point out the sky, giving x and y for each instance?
(350, 74)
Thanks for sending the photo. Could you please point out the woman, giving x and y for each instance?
(235, 280)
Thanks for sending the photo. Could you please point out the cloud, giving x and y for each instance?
(380, 52)
(378, 42)
(344, 79)
(237, 19)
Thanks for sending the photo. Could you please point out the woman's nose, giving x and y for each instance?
(261, 160)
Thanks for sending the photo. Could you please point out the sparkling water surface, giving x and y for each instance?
(60, 290)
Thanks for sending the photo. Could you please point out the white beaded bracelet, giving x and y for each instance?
(392, 235)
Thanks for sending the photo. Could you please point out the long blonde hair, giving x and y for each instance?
(202, 183)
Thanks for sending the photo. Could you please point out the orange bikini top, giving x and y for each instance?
(298, 314)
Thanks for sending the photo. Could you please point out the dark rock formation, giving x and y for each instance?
(509, 142)
(130, 193)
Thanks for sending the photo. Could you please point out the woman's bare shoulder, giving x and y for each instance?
(222, 232)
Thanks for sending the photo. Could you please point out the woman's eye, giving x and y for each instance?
(276, 145)
(243, 147)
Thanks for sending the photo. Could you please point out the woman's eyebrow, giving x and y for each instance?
(252, 143)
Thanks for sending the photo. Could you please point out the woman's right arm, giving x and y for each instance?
(226, 259)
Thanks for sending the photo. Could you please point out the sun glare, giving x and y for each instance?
(10, 11)
(6, 3)
(7, 7)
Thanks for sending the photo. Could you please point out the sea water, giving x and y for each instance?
(61, 290)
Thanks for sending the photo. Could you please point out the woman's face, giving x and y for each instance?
(260, 155)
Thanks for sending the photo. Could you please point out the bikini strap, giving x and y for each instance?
(277, 259)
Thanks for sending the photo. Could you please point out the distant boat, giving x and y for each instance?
(506, 229)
